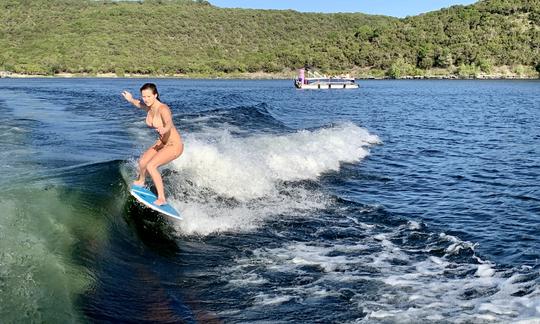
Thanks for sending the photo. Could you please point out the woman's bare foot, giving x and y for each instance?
(160, 201)
(138, 183)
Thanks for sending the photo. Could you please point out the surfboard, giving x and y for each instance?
(147, 197)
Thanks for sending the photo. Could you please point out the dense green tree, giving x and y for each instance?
(194, 37)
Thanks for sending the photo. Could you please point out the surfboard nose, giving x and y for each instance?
(147, 198)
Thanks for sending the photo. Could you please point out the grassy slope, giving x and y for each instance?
(167, 37)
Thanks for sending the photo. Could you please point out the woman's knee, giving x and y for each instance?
(151, 166)
(142, 164)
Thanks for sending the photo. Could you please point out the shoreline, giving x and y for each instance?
(268, 76)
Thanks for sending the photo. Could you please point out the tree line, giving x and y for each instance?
(195, 38)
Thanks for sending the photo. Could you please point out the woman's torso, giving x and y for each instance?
(155, 120)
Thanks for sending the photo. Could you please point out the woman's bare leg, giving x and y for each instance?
(163, 156)
(143, 162)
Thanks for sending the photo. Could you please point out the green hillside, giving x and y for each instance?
(193, 37)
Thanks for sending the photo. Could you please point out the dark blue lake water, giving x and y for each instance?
(401, 201)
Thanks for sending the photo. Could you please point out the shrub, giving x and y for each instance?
(400, 68)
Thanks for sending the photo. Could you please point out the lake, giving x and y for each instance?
(399, 201)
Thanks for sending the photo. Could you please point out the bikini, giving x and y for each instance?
(154, 122)
(151, 119)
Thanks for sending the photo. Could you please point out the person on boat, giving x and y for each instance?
(169, 145)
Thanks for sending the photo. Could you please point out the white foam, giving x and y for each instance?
(255, 174)
(416, 289)
(248, 168)
(203, 219)
(485, 270)
(414, 225)
(271, 300)
(249, 279)
(457, 244)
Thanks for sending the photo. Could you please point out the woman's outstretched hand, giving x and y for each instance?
(127, 95)
(161, 130)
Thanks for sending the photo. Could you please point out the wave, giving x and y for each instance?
(48, 221)
(239, 120)
(222, 182)
(388, 273)
(384, 269)
(248, 168)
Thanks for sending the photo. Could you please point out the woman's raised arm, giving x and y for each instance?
(137, 103)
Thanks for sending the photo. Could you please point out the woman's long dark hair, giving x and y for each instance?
(152, 87)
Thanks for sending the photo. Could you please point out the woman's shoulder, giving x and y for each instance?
(164, 108)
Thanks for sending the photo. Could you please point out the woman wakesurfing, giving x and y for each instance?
(169, 145)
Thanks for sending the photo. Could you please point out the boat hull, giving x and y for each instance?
(316, 86)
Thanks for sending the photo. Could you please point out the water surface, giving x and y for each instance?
(399, 201)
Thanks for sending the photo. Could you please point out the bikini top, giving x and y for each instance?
(151, 119)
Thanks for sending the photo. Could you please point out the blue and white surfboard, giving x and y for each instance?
(147, 197)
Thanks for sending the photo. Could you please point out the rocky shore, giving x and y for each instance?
(501, 73)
